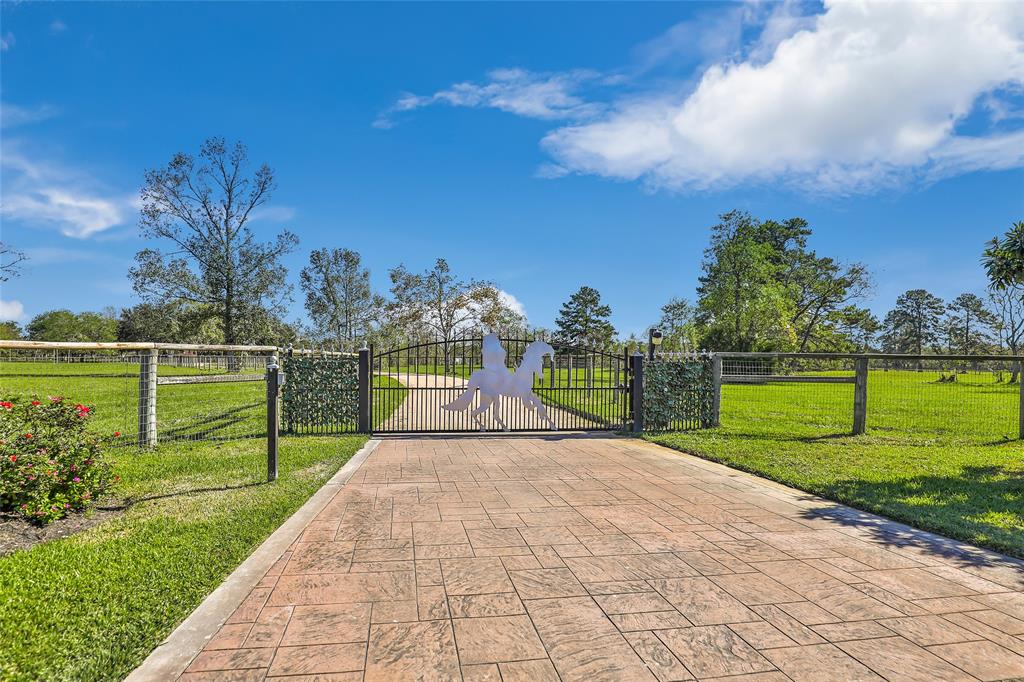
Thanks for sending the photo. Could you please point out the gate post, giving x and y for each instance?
(860, 396)
(716, 389)
(364, 390)
(638, 393)
(273, 416)
(147, 398)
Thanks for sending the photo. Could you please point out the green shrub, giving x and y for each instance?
(50, 464)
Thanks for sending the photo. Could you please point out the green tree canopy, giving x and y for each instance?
(678, 325)
(339, 298)
(970, 324)
(64, 325)
(1003, 258)
(583, 320)
(742, 301)
(762, 288)
(10, 331)
(914, 324)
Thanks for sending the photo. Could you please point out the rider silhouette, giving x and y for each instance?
(493, 353)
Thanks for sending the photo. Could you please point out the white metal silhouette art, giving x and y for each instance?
(495, 381)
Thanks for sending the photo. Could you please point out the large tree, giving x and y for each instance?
(764, 289)
(64, 325)
(970, 324)
(438, 304)
(743, 303)
(821, 287)
(339, 298)
(678, 325)
(583, 320)
(856, 329)
(10, 331)
(174, 322)
(915, 323)
(202, 206)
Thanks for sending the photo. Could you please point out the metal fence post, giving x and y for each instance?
(860, 396)
(1020, 383)
(716, 389)
(638, 393)
(364, 390)
(147, 398)
(273, 416)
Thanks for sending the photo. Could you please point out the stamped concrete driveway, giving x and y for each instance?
(585, 558)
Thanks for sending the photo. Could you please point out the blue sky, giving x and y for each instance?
(542, 146)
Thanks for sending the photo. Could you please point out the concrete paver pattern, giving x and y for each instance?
(602, 558)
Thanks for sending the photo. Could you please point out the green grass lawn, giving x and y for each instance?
(942, 457)
(92, 606)
(221, 411)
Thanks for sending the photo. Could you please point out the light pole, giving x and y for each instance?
(654, 340)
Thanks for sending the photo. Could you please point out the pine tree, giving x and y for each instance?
(583, 320)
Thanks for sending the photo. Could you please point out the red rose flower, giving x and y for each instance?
(27, 436)
(14, 458)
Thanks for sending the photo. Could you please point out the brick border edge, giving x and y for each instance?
(170, 658)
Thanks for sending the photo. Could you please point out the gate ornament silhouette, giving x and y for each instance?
(495, 381)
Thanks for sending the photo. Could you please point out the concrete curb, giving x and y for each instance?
(174, 654)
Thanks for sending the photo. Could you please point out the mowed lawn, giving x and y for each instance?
(940, 456)
(92, 606)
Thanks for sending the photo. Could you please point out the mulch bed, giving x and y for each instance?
(17, 533)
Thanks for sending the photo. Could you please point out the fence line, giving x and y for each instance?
(967, 395)
(154, 392)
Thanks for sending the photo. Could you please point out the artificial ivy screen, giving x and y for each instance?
(320, 394)
(677, 395)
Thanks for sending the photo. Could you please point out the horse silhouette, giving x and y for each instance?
(495, 381)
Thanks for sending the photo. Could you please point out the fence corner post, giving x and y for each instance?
(638, 393)
(147, 397)
(860, 396)
(716, 389)
(364, 390)
(273, 416)
(1020, 384)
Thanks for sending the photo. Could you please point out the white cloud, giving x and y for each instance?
(7, 41)
(12, 115)
(48, 194)
(58, 26)
(273, 213)
(77, 215)
(517, 91)
(511, 302)
(11, 311)
(868, 93)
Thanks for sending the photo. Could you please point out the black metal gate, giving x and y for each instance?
(582, 389)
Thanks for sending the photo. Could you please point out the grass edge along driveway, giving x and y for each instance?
(953, 486)
(93, 606)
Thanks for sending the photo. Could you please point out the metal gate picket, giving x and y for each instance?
(584, 390)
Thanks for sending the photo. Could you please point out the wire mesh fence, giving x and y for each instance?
(149, 395)
(926, 397)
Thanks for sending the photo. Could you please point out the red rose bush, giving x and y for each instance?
(50, 463)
